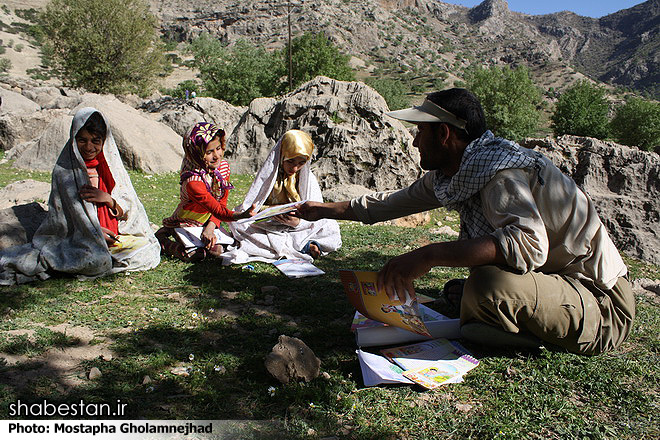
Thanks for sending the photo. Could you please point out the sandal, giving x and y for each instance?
(449, 301)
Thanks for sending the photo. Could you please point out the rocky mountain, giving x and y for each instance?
(437, 40)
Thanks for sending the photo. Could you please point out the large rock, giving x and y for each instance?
(624, 184)
(42, 153)
(181, 115)
(15, 103)
(355, 142)
(24, 191)
(21, 128)
(19, 223)
(144, 144)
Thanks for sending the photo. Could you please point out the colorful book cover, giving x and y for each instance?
(360, 287)
(126, 246)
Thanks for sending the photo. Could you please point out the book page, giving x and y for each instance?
(272, 212)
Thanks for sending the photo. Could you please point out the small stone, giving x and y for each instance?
(94, 373)
(146, 380)
(326, 375)
(292, 359)
(180, 371)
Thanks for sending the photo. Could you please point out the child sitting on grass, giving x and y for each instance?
(204, 191)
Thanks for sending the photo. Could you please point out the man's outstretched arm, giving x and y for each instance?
(312, 211)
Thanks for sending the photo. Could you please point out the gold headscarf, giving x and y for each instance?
(294, 143)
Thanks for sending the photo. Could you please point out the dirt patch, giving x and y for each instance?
(61, 365)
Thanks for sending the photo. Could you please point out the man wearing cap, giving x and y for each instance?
(543, 269)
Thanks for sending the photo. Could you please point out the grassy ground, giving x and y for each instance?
(217, 325)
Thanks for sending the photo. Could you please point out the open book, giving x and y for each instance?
(191, 236)
(297, 268)
(432, 363)
(360, 287)
(126, 246)
(272, 212)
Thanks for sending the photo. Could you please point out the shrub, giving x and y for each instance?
(394, 92)
(582, 111)
(5, 64)
(180, 90)
(637, 122)
(237, 74)
(104, 45)
(509, 98)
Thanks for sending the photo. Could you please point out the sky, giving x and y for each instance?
(587, 8)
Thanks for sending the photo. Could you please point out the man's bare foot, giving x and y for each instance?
(314, 251)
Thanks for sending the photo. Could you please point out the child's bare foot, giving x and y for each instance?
(314, 250)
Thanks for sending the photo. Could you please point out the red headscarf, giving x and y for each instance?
(106, 184)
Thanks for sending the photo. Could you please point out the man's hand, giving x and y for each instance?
(397, 276)
(208, 235)
(95, 195)
(287, 219)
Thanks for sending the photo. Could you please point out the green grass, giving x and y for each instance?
(214, 320)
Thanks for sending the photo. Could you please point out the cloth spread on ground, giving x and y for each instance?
(268, 241)
(70, 239)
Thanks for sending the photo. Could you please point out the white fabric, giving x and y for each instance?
(270, 240)
(70, 240)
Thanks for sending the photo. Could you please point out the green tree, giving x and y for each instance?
(104, 45)
(394, 92)
(582, 111)
(509, 98)
(313, 55)
(637, 122)
(237, 74)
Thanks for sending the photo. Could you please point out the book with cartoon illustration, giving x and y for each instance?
(373, 303)
(432, 363)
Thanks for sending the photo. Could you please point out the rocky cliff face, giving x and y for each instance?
(621, 48)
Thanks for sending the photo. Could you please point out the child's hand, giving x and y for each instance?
(95, 195)
(109, 236)
(208, 235)
(247, 213)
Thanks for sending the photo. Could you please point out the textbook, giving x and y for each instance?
(272, 212)
(191, 236)
(373, 303)
(432, 363)
(126, 246)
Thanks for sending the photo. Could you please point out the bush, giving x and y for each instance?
(637, 122)
(180, 90)
(394, 92)
(5, 64)
(18, 47)
(582, 111)
(237, 74)
(105, 46)
(509, 98)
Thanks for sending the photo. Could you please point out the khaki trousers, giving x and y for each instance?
(564, 311)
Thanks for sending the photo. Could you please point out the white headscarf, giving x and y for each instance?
(69, 239)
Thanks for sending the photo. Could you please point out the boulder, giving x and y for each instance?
(355, 142)
(20, 128)
(349, 191)
(15, 103)
(42, 153)
(180, 114)
(19, 223)
(291, 359)
(144, 144)
(24, 191)
(623, 183)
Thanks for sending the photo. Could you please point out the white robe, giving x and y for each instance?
(69, 239)
(270, 240)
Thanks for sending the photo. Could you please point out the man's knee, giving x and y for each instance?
(489, 284)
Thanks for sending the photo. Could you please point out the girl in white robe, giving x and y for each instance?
(284, 177)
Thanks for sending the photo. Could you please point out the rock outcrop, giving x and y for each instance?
(355, 142)
(624, 184)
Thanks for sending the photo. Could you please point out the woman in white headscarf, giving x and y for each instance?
(284, 177)
(95, 224)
